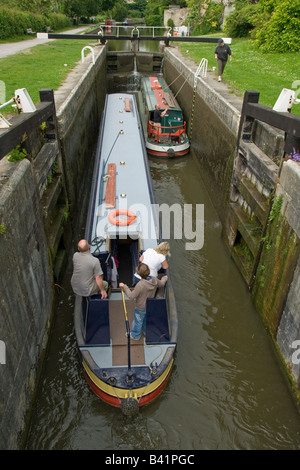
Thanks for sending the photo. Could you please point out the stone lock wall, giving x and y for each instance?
(26, 294)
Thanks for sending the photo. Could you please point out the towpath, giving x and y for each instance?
(12, 48)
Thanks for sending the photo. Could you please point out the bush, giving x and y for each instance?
(212, 19)
(15, 22)
(153, 20)
(239, 23)
(58, 21)
(171, 23)
(281, 33)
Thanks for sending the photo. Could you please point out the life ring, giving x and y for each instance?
(112, 217)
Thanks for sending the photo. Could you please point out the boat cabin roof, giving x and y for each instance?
(123, 179)
(157, 92)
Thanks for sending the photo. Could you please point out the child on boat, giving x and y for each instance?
(145, 289)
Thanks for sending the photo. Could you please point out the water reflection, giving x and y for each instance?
(144, 46)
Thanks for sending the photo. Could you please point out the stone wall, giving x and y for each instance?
(178, 15)
(26, 294)
(288, 332)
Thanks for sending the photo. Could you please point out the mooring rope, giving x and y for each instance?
(181, 87)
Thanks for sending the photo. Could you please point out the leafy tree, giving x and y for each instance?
(240, 22)
(119, 11)
(212, 17)
(36, 6)
(171, 23)
(281, 33)
(154, 13)
(107, 5)
(274, 24)
(140, 5)
(196, 8)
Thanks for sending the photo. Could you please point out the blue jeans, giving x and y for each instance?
(139, 323)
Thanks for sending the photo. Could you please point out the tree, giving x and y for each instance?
(36, 6)
(140, 5)
(119, 11)
(154, 13)
(106, 5)
(274, 24)
(281, 29)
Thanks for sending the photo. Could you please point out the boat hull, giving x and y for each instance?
(167, 151)
(114, 395)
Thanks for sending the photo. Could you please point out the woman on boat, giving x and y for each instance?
(156, 258)
(145, 289)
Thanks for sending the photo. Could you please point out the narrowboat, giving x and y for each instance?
(169, 137)
(122, 222)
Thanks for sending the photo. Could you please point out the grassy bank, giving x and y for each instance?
(43, 66)
(252, 70)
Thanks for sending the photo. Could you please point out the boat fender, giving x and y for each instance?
(171, 153)
(112, 217)
(129, 406)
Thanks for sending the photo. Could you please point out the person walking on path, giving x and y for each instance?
(222, 52)
(145, 289)
(87, 277)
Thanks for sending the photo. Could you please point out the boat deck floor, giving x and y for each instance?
(119, 338)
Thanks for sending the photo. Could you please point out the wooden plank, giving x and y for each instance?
(289, 123)
(22, 124)
(127, 105)
(119, 338)
(110, 197)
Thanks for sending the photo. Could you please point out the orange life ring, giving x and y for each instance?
(112, 217)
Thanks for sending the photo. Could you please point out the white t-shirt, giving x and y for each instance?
(153, 260)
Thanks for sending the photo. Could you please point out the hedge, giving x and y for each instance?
(16, 22)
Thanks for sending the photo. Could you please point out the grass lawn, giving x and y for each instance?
(43, 66)
(252, 70)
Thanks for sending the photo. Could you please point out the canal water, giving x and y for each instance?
(227, 390)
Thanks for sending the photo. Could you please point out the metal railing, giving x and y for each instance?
(163, 131)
